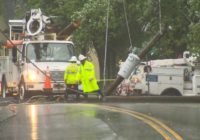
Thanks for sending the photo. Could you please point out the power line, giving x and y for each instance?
(106, 43)
(125, 14)
(160, 16)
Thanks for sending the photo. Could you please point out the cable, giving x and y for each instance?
(36, 16)
(29, 24)
(160, 17)
(125, 14)
(106, 44)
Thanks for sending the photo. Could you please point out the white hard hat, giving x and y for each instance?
(81, 57)
(73, 59)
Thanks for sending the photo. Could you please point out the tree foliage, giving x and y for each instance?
(181, 17)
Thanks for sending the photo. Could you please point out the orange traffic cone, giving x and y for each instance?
(47, 82)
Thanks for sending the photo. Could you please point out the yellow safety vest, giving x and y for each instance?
(87, 73)
(71, 74)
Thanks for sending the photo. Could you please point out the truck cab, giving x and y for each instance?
(40, 57)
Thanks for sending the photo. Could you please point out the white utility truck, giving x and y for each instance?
(175, 77)
(29, 55)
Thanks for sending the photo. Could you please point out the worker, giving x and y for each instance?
(88, 79)
(71, 78)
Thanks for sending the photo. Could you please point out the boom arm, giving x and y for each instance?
(68, 30)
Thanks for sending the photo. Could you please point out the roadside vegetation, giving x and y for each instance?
(144, 18)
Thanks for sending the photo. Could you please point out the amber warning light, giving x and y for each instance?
(11, 43)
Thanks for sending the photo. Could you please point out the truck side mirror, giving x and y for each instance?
(14, 54)
(147, 69)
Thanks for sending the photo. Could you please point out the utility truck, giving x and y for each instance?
(176, 77)
(31, 56)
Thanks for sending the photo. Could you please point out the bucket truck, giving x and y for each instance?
(174, 77)
(30, 53)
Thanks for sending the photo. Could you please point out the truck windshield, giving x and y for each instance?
(49, 52)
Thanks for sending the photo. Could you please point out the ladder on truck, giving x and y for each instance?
(17, 28)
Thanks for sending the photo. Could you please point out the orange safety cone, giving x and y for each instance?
(47, 82)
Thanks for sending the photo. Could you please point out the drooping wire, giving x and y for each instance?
(106, 43)
(160, 17)
(127, 25)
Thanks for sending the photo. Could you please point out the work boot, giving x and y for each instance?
(77, 96)
(101, 97)
(66, 97)
(86, 96)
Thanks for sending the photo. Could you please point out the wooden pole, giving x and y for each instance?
(141, 55)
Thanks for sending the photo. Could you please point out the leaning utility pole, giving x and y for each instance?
(132, 61)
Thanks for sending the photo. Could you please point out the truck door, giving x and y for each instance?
(196, 84)
(152, 84)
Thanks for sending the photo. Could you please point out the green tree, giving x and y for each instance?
(194, 27)
(181, 17)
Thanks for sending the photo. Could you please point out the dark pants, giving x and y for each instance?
(96, 91)
(71, 89)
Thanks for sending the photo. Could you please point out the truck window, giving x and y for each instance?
(49, 52)
(186, 75)
(136, 71)
(152, 78)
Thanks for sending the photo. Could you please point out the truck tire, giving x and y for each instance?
(22, 91)
(171, 92)
(3, 87)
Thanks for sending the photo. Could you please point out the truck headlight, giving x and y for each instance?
(32, 76)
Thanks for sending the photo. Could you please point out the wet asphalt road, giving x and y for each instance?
(101, 121)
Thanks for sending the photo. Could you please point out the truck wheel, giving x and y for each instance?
(22, 91)
(171, 92)
(3, 87)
